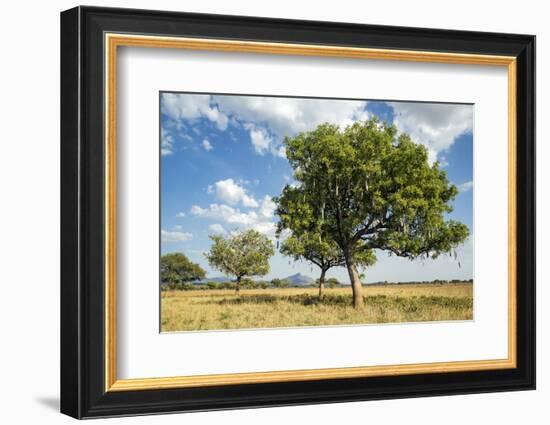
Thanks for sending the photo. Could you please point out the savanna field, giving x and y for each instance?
(210, 309)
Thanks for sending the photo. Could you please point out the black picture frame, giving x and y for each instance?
(83, 392)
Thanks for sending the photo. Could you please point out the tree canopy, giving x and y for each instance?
(241, 254)
(176, 268)
(367, 188)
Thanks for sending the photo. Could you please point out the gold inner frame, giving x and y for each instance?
(113, 41)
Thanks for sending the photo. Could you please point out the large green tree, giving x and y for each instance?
(323, 252)
(241, 254)
(368, 188)
(176, 268)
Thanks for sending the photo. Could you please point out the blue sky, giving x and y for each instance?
(222, 159)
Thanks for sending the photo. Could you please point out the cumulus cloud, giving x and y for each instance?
(207, 145)
(267, 208)
(465, 187)
(267, 119)
(166, 142)
(230, 192)
(268, 228)
(435, 126)
(287, 116)
(175, 236)
(260, 138)
(261, 220)
(270, 119)
(216, 229)
(192, 107)
(185, 136)
(225, 213)
(180, 214)
(280, 152)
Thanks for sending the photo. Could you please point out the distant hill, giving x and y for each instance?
(299, 279)
(219, 279)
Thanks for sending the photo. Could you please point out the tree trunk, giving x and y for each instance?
(238, 286)
(355, 282)
(322, 282)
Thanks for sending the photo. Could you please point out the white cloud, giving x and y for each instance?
(266, 227)
(192, 107)
(207, 145)
(280, 152)
(180, 215)
(465, 187)
(175, 236)
(261, 221)
(287, 116)
(177, 227)
(267, 119)
(267, 208)
(270, 119)
(186, 136)
(166, 142)
(216, 229)
(225, 213)
(433, 125)
(260, 138)
(231, 193)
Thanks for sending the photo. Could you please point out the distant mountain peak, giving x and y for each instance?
(300, 279)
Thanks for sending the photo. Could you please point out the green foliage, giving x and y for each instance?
(332, 282)
(322, 252)
(227, 285)
(250, 284)
(276, 283)
(176, 268)
(368, 189)
(178, 287)
(241, 254)
(280, 283)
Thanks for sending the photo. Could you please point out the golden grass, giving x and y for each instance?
(273, 308)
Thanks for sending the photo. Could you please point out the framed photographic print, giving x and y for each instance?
(261, 212)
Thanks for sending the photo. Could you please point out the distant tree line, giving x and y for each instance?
(423, 282)
(181, 274)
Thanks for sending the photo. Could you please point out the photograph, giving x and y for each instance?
(282, 212)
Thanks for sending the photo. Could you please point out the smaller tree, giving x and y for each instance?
(280, 283)
(212, 285)
(241, 254)
(177, 269)
(323, 252)
(332, 282)
(248, 284)
(285, 283)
